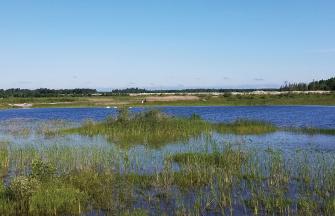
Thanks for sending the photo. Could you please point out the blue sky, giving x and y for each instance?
(165, 43)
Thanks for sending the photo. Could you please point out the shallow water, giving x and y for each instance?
(25, 133)
(23, 128)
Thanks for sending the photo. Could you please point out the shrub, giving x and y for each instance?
(41, 170)
(21, 189)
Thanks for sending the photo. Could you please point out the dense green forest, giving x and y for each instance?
(325, 85)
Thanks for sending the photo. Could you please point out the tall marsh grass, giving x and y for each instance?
(60, 180)
(312, 131)
(156, 129)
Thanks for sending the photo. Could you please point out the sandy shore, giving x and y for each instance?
(171, 98)
(23, 105)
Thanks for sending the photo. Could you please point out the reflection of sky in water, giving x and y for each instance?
(144, 159)
(297, 116)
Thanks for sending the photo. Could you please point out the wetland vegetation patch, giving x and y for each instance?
(156, 128)
(230, 181)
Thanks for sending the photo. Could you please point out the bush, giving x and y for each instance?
(42, 171)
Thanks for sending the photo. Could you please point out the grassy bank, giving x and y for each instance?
(255, 100)
(201, 100)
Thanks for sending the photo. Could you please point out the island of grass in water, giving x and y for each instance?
(155, 128)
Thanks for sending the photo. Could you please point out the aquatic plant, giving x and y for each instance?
(312, 131)
(4, 160)
(152, 128)
(244, 127)
(218, 179)
(155, 128)
(224, 181)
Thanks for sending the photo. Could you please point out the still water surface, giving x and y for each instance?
(13, 122)
(297, 116)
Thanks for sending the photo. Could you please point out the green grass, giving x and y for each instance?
(153, 128)
(244, 127)
(156, 129)
(204, 100)
(229, 159)
(61, 179)
(254, 100)
(199, 169)
(4, 160)
(256, 182)
(267, 179)
(312, 131)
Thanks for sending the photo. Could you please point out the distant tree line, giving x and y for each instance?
(44, 92)
(327, 85)
(324, 85)
(209, 90)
